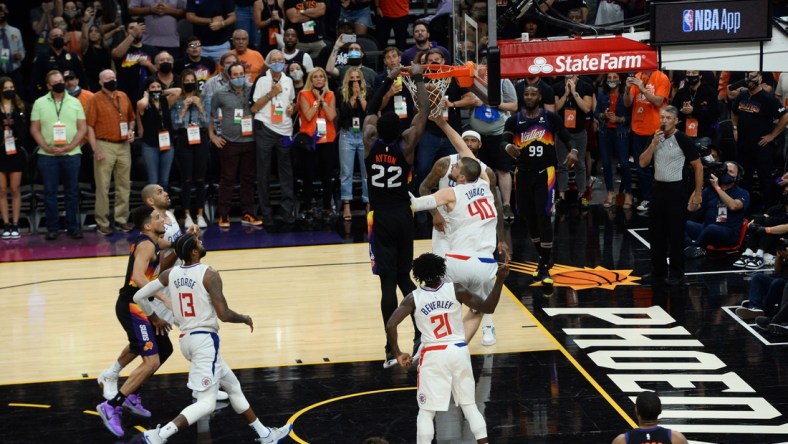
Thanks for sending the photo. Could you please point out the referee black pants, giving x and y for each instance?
(667, 217)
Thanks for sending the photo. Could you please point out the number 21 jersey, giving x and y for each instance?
(438, 314)
(191, 303)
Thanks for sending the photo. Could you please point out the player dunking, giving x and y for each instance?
(529, 137)
(389, 159)
(199, 304)
(153, 345)
(445, 364)
(448, 237)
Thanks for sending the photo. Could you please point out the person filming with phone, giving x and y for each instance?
(669, 151)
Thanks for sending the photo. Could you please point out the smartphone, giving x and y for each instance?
(348, 38)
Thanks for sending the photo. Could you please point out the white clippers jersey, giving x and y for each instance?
(191, 303)
(438, 315)
(172, 231)
(473, 218)
(446, 181)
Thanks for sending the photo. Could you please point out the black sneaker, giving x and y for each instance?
(755, 263)
(742, 261)
(508, 214)
(15, 231)
(7, 231)
(390, 361)
(695, 252)
(778, 329)
(75, 234)
(763, 322)
(542, 275)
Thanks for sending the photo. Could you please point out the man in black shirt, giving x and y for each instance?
(647, 409)
(203, 67)
(574, 101)
(753, 114)
(697, 103)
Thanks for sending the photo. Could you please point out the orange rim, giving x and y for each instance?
(463, 73)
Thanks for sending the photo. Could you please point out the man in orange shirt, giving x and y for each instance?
(110, 118)
(646, 93)
(252, 60)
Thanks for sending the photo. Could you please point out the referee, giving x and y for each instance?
(670, 150)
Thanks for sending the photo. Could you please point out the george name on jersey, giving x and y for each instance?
(474, 192)
(436, 305)
(184, 282)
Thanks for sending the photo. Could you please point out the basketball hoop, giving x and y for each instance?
(438, 78)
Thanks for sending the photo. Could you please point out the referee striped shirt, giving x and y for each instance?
(671, 155)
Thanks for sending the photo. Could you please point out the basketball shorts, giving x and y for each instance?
(391, 236)
(139, 331)
(445, 371)
(476, 273)
(206, 366)
(536, 192)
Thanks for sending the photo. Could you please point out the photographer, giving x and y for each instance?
(766, 290)
(762, 236)
(723, 209)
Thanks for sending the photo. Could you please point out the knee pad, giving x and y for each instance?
(475, 420)
(206, 403)
(425, 429)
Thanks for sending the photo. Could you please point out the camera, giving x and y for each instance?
(710, 165)
(349, 38)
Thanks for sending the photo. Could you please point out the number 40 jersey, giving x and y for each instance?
(473, 219)
(438, 314)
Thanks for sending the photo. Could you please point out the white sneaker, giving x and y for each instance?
(643, 206)
(108, 381)
(221, 396)
(152, 436)
(188, 222)
(201, 221)
(488, 335)
(768, 260)
(276, 434)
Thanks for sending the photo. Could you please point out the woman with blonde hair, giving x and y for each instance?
(317, 110)
(352, 110)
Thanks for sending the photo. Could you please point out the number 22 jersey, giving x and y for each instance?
(535, 138)
(388, 175)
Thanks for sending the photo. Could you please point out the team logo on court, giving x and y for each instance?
(422, 398)
(580, 278)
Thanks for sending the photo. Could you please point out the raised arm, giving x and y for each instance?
(412, 135)
(454, 137)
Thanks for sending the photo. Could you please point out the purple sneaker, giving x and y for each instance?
(133, 402)
(111, 417)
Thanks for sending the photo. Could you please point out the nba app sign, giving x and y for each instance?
(699, 20)
(710, 21)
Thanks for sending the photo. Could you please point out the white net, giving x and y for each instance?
(436, 88)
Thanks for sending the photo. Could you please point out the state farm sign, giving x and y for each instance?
(575, 56)
(588, 63)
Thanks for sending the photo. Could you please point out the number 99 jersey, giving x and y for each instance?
(535, 138)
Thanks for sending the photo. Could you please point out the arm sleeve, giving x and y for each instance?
(141, 297)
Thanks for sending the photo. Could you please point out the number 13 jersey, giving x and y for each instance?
(473, 219)
(191, 303)
(438, 314)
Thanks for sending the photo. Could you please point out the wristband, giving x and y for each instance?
(768, 230)
(718, 188)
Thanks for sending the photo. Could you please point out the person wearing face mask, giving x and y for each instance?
(355, 58)
(574, 100)
(111, 122)
(58, 126)
(271, 101)
(236, 146)
(161, 22)
(670, 150)
(74, 90)
(13, 156)
(58, 59)
(133, 61)
(697, 103)
(296, 72)
(613, 118)
(753, 115)
(12, 48)
(41, 23)
(164, 70)
(153, 119)
(191, 148)
(724, 205)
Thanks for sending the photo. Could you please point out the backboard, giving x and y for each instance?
(472, 33)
